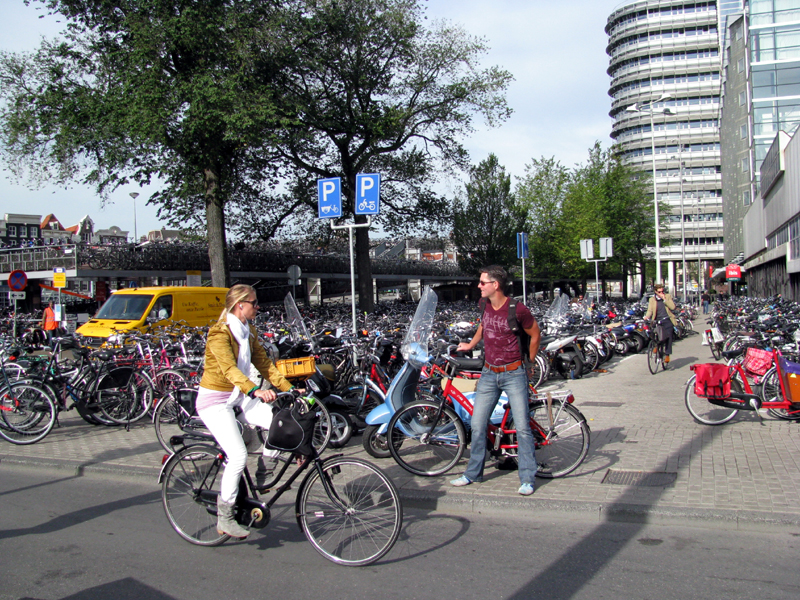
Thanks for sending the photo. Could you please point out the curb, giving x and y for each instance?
(500, 506)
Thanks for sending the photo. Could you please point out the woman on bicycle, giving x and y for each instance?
(231, 348)
(659, 309)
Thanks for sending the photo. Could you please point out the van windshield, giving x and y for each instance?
(128, 307)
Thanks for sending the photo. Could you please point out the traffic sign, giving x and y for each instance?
(522, 245)
(17, 280)
(16, 295)
(294, 274)
(59, 277)
(368, 194)
(329, 191)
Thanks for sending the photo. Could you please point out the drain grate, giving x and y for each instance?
(603, 404)
(639, 478)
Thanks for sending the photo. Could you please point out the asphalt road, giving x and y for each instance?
(87, 538)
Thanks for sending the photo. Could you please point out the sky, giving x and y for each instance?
(554, 48)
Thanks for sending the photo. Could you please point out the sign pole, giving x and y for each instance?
(524, 288)
(15, 319)
(350, 228)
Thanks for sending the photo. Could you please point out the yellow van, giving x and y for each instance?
(138, 308)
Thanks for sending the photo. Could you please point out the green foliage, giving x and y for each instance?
(136, 90)
(558, 207)
(487, 219)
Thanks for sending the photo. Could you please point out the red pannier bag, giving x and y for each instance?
(757, 361)
(713, 380)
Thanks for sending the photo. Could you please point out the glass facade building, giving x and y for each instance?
(665, 69)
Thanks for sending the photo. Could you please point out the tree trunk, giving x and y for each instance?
(642, 280)
(366, 301)
(215, 219)
(624, 281)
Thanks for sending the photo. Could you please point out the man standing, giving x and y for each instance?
(706, 299)
(49, 324)
(503, 371)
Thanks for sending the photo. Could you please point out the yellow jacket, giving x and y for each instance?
(221, 373)
(669, 304)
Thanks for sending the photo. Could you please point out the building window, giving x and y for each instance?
(743, 132)
(11, 230)
(745, 165)
(742, 99)
(746, 197)
(740, 65)
(33, 232)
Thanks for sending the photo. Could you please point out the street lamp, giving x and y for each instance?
(649, 109)
(135, 195)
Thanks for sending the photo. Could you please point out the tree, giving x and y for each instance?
(178, 90)
(375, 91)
(486, 220)
(540, 196)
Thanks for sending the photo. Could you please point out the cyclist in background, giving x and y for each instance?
(659, 310)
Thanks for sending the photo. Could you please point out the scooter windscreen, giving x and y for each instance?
(415, 345)
(297, 326)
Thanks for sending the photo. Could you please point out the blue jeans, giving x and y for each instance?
(705, 307)
(490, 386)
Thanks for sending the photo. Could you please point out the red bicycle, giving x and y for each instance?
(429, 436)
(717, 392)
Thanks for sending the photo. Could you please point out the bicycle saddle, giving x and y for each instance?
(468, 364)
(729, 354)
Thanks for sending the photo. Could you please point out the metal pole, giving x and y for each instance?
(524, 288)
(15, 319)
(135, 195)
(698, 249)
(683, 234)
(352, 280)
(655, 196)
(596, 283)
(350, 228)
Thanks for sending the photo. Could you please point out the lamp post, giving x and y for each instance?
(698, 248)
(135, 195)
(649, 109)
(683, 235)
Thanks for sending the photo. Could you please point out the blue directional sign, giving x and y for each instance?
(522, 245)
(368, 194)
(330, 198)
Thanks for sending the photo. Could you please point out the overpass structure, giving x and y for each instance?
(125, 265)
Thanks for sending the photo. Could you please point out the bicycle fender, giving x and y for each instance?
(380, 415)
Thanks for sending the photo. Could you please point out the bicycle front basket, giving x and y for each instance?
(713, 380)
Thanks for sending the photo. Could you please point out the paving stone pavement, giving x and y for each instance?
(743, 474)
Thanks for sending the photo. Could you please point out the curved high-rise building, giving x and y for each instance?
(665, 87)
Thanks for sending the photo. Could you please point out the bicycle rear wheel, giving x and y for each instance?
(561, 442)
(27, 413)
(703, 411)
(427, 448)
(189, 494)
(357, 519)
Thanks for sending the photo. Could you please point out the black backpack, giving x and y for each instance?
(523, 338)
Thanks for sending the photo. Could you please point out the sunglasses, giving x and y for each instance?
(485, 282)
(253, 302)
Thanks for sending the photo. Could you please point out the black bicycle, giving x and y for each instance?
(655, 349)
(347, 508)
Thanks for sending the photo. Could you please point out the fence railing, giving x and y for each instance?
(190, 257)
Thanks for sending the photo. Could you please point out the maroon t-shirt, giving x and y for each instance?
(500, 344)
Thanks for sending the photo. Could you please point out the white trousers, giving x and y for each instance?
(221, 422)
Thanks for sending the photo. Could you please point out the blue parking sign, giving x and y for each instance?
(368, 194)
(330, 198)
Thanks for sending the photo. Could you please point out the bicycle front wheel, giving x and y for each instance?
(703, 411)
(189, 494)
(429, 445)
(652, 357)
(561, 438)
(27, 414)
(352, 513)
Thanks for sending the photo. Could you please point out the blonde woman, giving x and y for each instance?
(231, 349)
